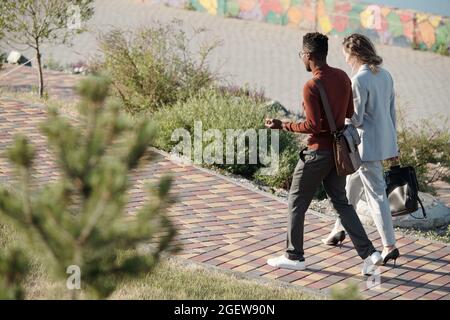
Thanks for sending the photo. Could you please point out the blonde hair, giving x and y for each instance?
(362, 48)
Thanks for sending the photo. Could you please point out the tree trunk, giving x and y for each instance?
(41, 78)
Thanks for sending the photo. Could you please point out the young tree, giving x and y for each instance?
(78, 223)
(14, 267)
(32, 23)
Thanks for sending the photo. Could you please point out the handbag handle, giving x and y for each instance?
(326, 106)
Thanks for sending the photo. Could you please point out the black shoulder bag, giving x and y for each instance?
(403, 191)
(345, 142)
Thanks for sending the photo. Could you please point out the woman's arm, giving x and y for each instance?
(392, 109)
(360, 94)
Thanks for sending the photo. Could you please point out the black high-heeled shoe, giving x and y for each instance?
(392, 255)
(336, 239)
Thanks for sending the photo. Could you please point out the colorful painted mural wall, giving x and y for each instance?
(337, 17)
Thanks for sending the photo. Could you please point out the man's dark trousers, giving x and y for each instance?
(317, 167)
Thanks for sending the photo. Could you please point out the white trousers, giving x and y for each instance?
(369, 180)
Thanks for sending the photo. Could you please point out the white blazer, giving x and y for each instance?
(374, 117)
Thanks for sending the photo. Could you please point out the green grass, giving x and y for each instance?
(33, 97)
(174, 279)
(439, 234)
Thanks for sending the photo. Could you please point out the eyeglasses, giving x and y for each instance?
(302, 53)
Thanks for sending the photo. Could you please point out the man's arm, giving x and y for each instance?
(311, 103)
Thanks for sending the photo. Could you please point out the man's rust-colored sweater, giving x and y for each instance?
(339, 91)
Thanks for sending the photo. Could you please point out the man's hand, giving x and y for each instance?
(274, 123)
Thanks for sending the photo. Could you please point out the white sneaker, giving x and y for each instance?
(371, 263)
(285, 263)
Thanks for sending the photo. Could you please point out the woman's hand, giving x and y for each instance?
(394, 160)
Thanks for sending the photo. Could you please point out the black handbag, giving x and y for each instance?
(402, 190)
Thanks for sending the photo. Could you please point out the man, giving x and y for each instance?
(317, 160)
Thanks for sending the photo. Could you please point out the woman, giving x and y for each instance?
(374, 117)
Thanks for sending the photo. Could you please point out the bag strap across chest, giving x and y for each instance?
(326, 106)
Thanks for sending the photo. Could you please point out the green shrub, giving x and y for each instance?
(154, 66)
(188, 6)
(236, 108)
(257, 96)
(289, 158)
(426, 147)
(443, 49)
(222, 110)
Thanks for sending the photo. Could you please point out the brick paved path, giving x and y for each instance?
(222, 223)
(265, 55)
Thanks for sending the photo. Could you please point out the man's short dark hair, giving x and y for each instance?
(317, 44)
